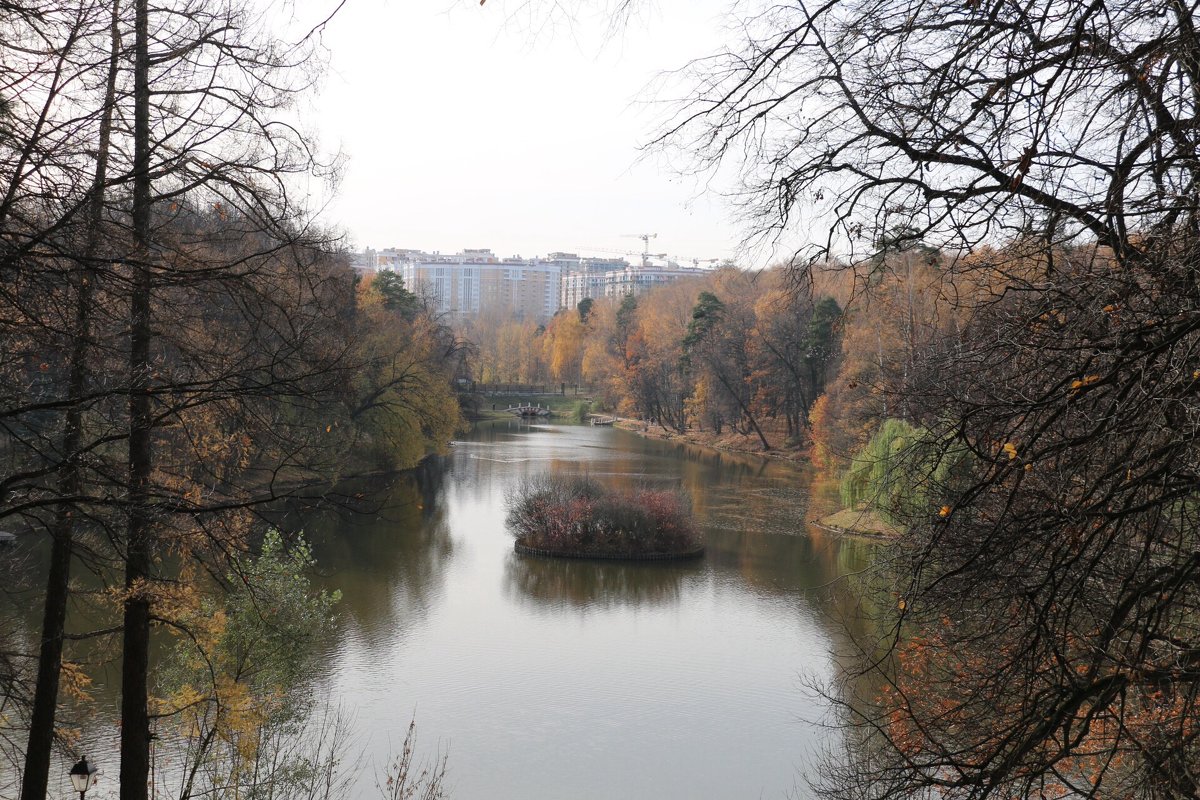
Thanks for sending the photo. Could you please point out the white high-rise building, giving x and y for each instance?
(476, 280)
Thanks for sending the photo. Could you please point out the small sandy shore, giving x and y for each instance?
(858, 522)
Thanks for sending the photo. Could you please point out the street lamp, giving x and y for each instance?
(81, 776)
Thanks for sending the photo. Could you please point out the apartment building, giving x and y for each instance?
(619, 281)
(583, 276)
(477, 280)
(637, 280)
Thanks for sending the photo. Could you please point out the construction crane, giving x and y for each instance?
(643, 255)
(589, 249)
(645, 237)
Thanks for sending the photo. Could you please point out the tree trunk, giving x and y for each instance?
(45, 698)
(135, 718)
(745, 410)
(35, 778)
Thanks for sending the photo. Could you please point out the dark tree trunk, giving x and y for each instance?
(35, 778)
(135, 718)
(745, 410)
(45, 698)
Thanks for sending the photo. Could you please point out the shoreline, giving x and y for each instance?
(584, 555)
(858, 522)
(660, 433)
(838, 523)
(844, 522)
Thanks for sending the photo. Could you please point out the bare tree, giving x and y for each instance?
(1043, 639)
(162, 295)
(70, 472)
(956, 122)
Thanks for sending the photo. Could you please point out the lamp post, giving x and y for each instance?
(81, 776)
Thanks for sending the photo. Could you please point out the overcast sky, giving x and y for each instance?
(467, 127)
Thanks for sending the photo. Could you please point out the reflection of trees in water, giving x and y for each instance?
(580, 582)
(746, 493)
(382, 539)
(848, 611)
(774, 563)
(91, 660)
(826, 574)
(388, 556)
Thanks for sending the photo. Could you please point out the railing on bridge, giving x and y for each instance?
(530, 389)
(527, 410)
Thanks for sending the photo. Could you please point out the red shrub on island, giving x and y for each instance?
(577, 516)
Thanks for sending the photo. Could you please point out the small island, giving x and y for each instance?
(576, 517)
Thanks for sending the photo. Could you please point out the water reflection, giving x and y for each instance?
(384, 547)
(592, 679)
(603, 584)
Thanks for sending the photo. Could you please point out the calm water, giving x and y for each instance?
(570, 679)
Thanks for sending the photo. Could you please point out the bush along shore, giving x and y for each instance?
(576, 517)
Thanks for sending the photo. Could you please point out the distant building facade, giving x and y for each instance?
(620, 279)
(583, 277)
(638, 280)
(475, 281)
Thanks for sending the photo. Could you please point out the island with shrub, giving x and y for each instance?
(577, 517)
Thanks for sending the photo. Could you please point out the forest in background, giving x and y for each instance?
(753, 360)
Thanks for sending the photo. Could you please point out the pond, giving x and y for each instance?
(564, 679)
(550, 678)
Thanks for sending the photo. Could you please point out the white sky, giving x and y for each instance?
(465, 127)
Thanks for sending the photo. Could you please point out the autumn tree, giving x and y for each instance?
(603, 362)
(401, 405)
(715, 355)
(1072, 666)
(562, 346)
(651, 330)
(794, 348)
(231, 681)
(1043, 643)
(166, 307)
(507, 350)
(912, 304)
